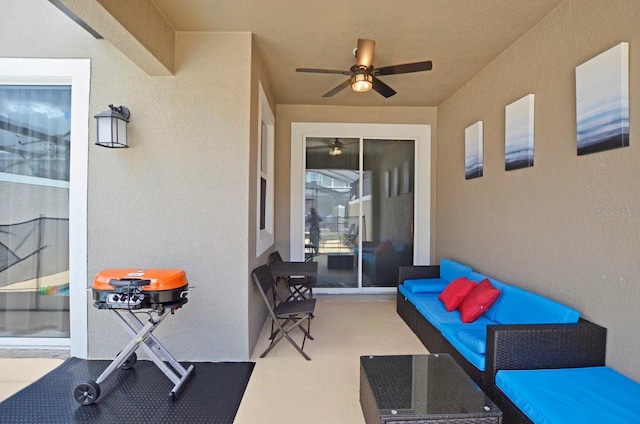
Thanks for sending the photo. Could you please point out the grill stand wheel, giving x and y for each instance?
(87, 393)
(129, 362)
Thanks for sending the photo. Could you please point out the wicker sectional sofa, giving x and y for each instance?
(517, 318)
(540, 362)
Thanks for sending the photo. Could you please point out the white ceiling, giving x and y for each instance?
(459, 36)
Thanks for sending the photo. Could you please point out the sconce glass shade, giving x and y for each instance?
(361, 82)
(112, 127)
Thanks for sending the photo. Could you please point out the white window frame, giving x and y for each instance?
(265, 236)
(76, 73)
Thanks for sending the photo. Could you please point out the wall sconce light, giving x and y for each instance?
(112, 127)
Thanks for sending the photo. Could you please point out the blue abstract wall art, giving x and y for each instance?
(473, 154)
(518, 143)
(602, 101)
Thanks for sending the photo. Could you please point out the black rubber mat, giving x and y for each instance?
(137, 395)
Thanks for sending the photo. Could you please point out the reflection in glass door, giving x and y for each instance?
(387, 242)
(358, 212)
(332, 217)
(35, 129)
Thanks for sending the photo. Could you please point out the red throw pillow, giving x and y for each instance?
(478, 301)
(385, 245)
(455, 292)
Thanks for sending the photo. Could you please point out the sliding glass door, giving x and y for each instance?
(359, 210)
(332, 220)
(35, 124)
(370, 190)
(44, 109)
(388, 211)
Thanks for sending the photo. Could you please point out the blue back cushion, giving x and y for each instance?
(450, 270)
(518, 306)
(398, 246)
(426, 285)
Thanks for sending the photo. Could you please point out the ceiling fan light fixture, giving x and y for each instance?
(335, 151)
(361, 82)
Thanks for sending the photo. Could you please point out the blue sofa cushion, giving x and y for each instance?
(518, 306)
(450, 270)
(572, 395)
(451, 332)
(475, 339)
(426, 285)
(369, 258)
(398, 246)
(414, 298)
(405, 291)
(433, 310)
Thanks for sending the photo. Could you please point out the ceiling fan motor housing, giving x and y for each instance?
(363, 76)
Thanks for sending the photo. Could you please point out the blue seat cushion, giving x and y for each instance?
(572, 395)
(426, 285)
(433, 310)
(450, 270)
(474, 339)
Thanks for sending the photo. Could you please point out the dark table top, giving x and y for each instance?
(285, 268)
(424, 385)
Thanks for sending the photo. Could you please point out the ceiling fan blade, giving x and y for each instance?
(383, 88)
(323, 71)
(364, 53)
(338, 89)
(404, 69)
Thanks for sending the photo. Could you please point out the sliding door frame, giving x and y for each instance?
(76, 73)
(421, 134)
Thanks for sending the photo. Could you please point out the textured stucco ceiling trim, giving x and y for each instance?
(135, 27)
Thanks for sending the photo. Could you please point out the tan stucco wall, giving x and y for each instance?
(286, 114)
(179, 196)
(543, 227)
(145, 23)
(257, 311)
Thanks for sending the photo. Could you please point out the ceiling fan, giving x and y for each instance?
(335, 146)
(363, 76)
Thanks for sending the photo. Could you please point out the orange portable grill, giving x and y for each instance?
(127, 293)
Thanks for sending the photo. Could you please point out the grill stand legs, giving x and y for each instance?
(142, 337)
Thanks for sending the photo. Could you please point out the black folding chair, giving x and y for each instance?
(285, 316)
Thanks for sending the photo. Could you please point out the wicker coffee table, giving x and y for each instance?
(421, 389)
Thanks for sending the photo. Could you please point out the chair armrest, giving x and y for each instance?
(512, 347)
(416, 272)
